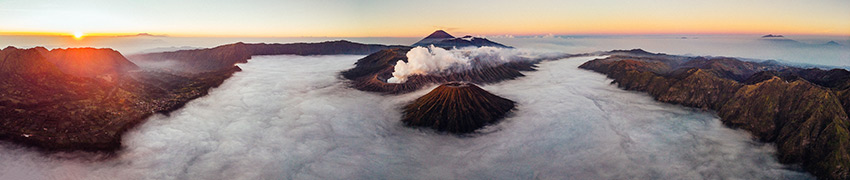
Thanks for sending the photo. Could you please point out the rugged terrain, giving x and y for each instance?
(803, 111)
(86, 98)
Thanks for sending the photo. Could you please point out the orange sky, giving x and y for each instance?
(362, 18)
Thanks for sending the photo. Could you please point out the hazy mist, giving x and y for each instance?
(292, 117)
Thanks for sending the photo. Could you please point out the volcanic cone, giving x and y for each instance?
(457, 107)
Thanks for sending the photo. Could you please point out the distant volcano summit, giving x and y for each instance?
(445, 40)
(439, 34)
(772, 36)
(457, 107)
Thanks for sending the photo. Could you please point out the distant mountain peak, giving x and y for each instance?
(143, 35)
(772, 36)
(445, 40)
(439, 34)
(833, 43)
(634, 51)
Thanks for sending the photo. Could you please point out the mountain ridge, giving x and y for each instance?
(445, 40)
(224, 56)
(803, 111)
(86, 98)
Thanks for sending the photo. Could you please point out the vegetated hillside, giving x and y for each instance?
(86, 98)
(88, 103)
(803, 111)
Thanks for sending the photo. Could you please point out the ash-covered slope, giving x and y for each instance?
(456, 107)
(225, 56)
(444, 40)
(803, 111)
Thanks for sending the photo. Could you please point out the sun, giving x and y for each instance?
(78, 35)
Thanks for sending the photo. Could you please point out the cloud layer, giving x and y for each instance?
(291, 117)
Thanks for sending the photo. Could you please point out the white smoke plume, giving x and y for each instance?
(436, 60)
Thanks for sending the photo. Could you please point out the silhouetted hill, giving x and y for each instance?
(142, 35)
(832, 44)
(803, 111)
(89, 62)
(224, 56)
(772, 36)
(782, 41)
(25, 61)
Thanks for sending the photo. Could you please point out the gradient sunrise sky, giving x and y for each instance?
(362, 18)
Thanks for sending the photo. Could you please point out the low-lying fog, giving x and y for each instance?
(291, 117)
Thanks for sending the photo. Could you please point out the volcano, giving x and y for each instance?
(445, 40)
(456, 107)
(439, 34)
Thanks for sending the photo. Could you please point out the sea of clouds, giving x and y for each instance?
(293, 117)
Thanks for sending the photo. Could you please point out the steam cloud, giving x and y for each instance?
(436, 60)
(290, 117)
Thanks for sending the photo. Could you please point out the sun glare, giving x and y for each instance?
(78, 35)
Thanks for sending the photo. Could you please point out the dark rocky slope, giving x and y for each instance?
(456, 107)
(803, 111)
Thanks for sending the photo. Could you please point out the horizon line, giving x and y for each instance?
(122, 35)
